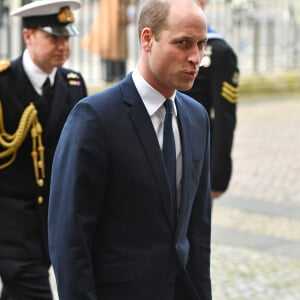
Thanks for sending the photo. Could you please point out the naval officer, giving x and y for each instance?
(36, 94)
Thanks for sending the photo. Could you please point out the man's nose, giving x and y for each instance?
(196, 55)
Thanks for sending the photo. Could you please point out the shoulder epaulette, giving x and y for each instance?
(4, 65)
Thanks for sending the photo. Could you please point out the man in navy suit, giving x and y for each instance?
(112, 231)
(25, 165)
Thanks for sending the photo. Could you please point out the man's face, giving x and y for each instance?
(46, 50)
(176, 54)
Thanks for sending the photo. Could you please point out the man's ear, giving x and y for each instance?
(26, 35)
(146, 39)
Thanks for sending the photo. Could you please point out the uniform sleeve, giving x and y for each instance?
(224, 76)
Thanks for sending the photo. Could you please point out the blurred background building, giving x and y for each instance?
(264, 33)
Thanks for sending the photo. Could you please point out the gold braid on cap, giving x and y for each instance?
(12, 142)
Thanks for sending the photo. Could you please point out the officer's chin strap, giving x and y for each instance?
(10, 143)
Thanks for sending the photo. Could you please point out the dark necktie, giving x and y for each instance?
(169, 153)
(47, 90)
(45, 101)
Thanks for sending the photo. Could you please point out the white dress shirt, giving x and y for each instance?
(36, 76)
(153, 102)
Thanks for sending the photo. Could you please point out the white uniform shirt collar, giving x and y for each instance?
(36, 76)
(152, 99)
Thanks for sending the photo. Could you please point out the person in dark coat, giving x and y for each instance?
(216, 87)
(122, 224)
(32, 115)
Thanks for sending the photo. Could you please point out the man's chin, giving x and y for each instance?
(59, 64)
(185, 86)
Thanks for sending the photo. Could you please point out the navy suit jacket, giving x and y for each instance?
(111, 232)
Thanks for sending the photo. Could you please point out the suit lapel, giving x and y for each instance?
(147, 136)
(184, 124)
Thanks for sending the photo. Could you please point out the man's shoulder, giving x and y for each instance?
(219, 46)
(9, 68)
(73, 78)
(6, 74)
(221, 43)
(4, 65)
(69, 73)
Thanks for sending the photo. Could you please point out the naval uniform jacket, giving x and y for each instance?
(23, 221)
(216, 88)
(112, 233)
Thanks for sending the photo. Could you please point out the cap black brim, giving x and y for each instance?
(68, 30)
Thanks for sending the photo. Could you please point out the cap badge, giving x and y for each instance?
(65, 16)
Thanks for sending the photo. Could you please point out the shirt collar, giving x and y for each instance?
(152, 99)
(36, 76)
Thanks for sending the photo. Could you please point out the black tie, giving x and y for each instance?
(47, 90)
(44, 103)
(169, 152)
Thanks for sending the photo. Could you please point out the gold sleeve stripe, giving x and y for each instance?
(229, 92)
